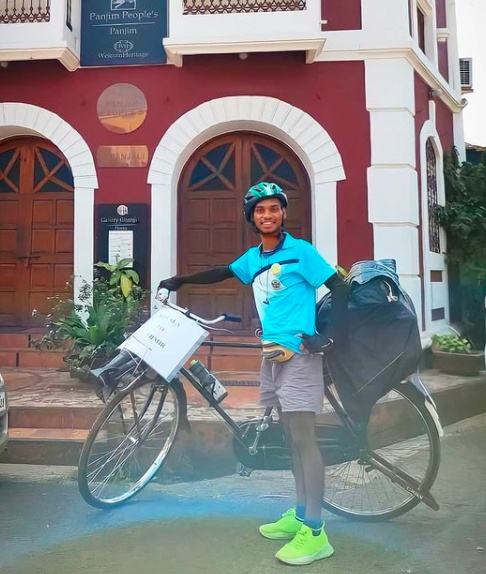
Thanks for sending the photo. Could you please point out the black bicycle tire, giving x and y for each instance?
(180, 397)
(417, 400)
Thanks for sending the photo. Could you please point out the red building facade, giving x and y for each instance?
(350, 109)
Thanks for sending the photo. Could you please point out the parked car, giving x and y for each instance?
(3, 416)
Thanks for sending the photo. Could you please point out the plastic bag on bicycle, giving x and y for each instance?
(382, 344)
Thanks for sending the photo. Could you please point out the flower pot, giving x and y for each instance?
(467, 364)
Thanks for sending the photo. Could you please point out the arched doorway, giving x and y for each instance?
(36, 228)
(211, 227)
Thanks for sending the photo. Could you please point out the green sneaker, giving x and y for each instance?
(284, 529)
(305, 548)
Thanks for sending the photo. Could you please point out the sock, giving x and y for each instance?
(315, 525)
(300, 512)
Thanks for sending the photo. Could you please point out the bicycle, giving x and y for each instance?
(373, 473)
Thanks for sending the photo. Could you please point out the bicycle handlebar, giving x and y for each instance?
(163, 297)
(233, 318)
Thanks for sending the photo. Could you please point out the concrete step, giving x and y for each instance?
(206, 449)
(232, 362)
(44, 446)
(53, 417)
(31, 358)
(234, 366)
(14, 341)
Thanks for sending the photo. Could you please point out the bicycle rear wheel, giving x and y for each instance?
(129, 441)
(402, 432)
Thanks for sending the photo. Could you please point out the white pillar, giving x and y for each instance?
(393, 197)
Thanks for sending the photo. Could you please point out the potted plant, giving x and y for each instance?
(90, 332)
(453, 354)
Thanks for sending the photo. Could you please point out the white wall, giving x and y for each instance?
(214, 28)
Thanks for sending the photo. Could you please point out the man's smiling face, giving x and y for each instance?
(268, 216)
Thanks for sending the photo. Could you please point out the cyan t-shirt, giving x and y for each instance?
(284, 285)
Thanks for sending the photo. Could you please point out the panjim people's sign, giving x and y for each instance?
(166, 341)
(123, 32)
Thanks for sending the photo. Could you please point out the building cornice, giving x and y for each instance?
(177, 50)
(67, 58)
(420, 63)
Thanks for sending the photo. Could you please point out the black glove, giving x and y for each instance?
(316, 343)
(171, 284)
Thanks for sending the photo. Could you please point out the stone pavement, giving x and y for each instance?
(29, 388)
(37, 388)
(51, 413)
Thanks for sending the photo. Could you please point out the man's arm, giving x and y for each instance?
(337, 321)
(339, 303)
(212, 275)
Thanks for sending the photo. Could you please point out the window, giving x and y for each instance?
(69, 10)
(432, 200)
(421, 29)
(410, 18)
(422, 25)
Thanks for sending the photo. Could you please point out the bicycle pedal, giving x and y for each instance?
(243, 470)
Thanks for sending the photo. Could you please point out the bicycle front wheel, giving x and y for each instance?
(401, 432)
(129, 441)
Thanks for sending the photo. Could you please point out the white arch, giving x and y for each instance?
(270, 116)
(17, 119)
(435, 294)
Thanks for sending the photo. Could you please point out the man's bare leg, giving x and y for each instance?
(309, 466)
(297, 470)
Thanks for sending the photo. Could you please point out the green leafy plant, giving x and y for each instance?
(464, 220)
(464, 215)
(121, 275)
(451, 344)
(90, 331)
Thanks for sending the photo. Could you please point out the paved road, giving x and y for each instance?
(211, 526)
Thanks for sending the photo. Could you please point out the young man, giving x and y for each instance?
(285, 273)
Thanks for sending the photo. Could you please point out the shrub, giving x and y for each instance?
(92, 330)
(451, 343)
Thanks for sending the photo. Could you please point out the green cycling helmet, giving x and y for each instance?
(259, 192)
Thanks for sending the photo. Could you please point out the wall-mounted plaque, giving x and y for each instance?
(122, 108)
(122, 156)
(122, 230)
(123, 32)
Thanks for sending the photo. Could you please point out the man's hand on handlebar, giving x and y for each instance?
(171, 284)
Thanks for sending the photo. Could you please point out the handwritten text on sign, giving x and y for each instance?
(166, 341)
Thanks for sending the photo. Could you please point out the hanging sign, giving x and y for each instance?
(123, 32)
(166, 341)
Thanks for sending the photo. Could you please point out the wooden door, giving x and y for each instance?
(211, 227)
(36, 228)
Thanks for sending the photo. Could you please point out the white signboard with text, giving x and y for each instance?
(166, 341)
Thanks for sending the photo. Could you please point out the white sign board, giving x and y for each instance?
(120, 246)
(166, 341)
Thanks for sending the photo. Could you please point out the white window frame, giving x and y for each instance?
(428, 9)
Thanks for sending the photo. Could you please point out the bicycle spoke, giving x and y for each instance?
(402, 460)
(129, 443)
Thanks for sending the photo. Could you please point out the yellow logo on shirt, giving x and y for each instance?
(276, 268)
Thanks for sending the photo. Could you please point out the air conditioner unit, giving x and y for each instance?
(465, 67)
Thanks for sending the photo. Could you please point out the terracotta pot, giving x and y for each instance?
(467, 364)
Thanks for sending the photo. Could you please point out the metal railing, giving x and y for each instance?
(24, 11)
(241, 6)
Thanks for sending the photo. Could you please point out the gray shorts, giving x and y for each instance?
(295, 385)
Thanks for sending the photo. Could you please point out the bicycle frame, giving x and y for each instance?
(260, 443)
(264, 422)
